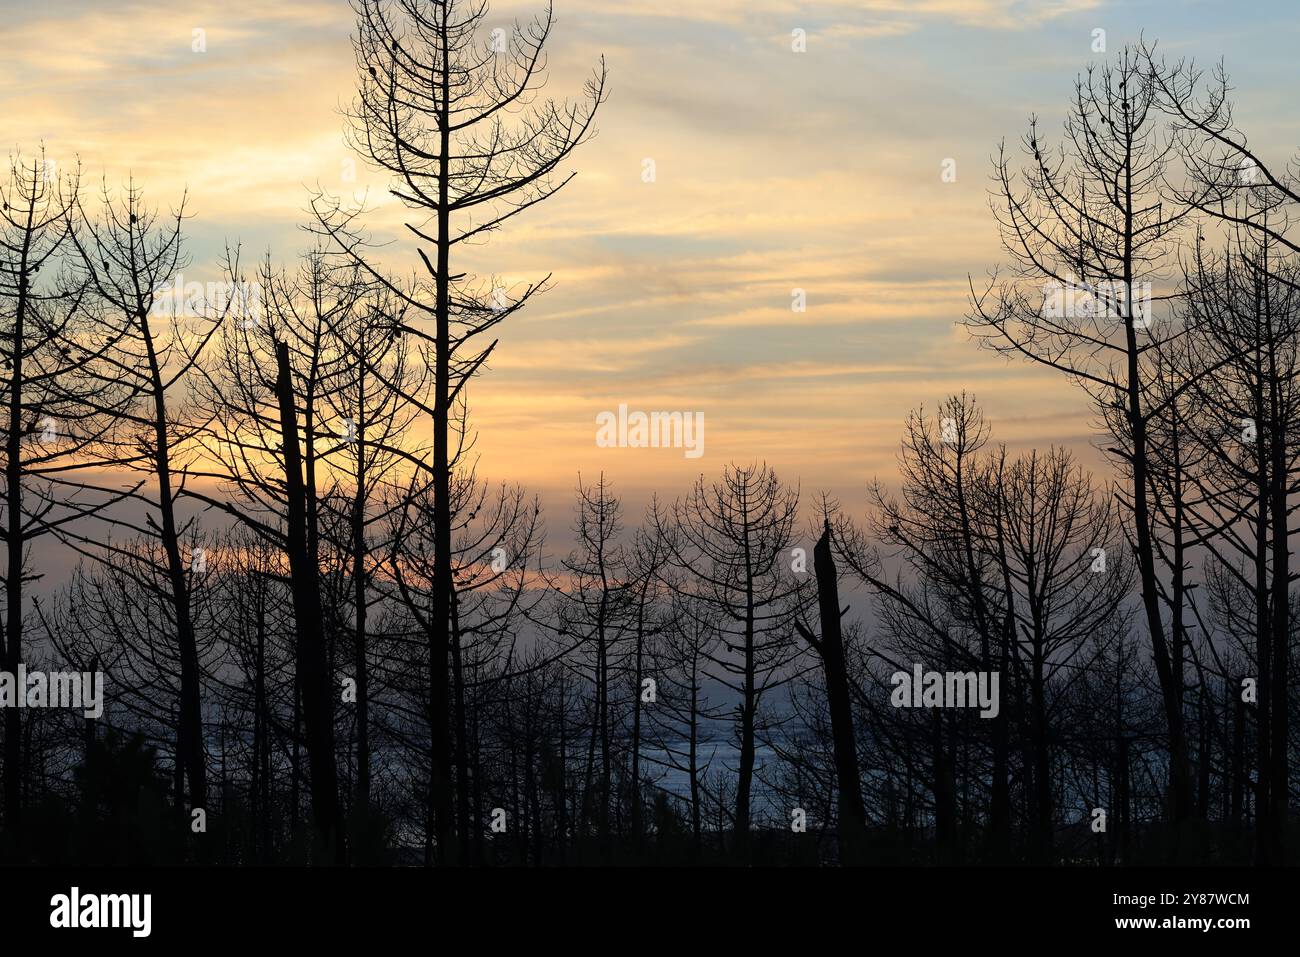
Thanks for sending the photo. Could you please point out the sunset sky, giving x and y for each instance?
(776, 170)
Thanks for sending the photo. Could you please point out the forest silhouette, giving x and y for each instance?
(325, 638)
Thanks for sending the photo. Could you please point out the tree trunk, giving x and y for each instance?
(440, 783)
(190, 725)
(852, 814)
(310, 651)
(14, 541)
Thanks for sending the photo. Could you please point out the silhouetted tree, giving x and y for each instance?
(1090, 227)
(731, 541)
(455, 119)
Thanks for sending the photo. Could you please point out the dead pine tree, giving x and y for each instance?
(729, 544)
(361, 395)
(494, 534)
(131, 259)
(1089, 227)
(679, 722)
(950, 609)
(1246, 306)
(591, 609)
(453, 114)
(828, 644)
(1236, 187)
(47, 341)
(645, 591)
(263, 444)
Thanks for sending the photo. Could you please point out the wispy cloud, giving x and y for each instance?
(776, 171)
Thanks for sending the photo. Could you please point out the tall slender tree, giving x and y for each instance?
(453, 115)
(1089, 227)
(48, 341)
